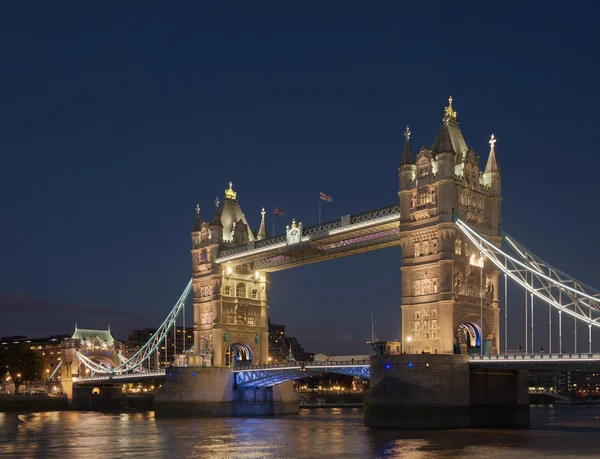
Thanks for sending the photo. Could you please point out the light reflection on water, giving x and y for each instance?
(562, 431)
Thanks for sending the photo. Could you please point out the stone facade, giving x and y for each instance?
(443, 291)
(230, 302)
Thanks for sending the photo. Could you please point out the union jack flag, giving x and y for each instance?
(276, 211)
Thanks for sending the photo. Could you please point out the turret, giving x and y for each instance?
(492, 175)
(262, 231)
(406, 170)
(216, 227)
(407, 165)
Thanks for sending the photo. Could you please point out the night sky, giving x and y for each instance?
(115, 121)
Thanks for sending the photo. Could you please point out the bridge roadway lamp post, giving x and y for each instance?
(479, 262)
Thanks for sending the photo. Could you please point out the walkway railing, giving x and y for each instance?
(297, 365)
(534, 357)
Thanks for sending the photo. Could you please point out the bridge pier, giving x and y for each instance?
(211, 392)
(441, 392)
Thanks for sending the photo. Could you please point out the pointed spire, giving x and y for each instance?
(407, 155)
(262, 231)
(492, 163)
(197, 222)
(443, 141)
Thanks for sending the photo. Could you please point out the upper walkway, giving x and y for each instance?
(350, 234)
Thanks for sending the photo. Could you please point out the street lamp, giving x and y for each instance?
(409, 339)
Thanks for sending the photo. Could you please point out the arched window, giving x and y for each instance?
(254, 294)
(203, 255)
(240, 290)
(457, 246)
(227, 290)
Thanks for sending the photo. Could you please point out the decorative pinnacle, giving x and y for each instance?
(263, 212)
(217, 202)
(197, 209)
(230, 194)
(448, 111)
(407, 134)
(492, 141)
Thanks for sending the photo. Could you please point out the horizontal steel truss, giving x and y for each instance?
(148, 349)
(540, 279)
(315, 253)
(272, 377)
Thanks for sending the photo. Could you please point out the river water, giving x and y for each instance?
(556, 431)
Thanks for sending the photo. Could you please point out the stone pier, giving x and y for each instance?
(211, 392)
(441, 392)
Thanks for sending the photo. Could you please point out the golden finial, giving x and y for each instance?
(230, 194)
(407, 134)
(197, 209)
(492, 141)
(448, 111)
(293, 222)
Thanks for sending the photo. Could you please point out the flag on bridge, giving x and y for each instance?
(277, 211)
(324, 197)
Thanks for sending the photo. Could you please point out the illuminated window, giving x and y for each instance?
(434, 323)
(457, 246)
(250, 320)
(426, 248)
(240, 290)
(426, 286)
(418, 289)
(435, 285)
(417, 315)
(434, 246)
(227, 290)
(254, 294)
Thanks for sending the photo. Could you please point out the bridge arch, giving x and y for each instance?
(469, 333)
(238, 352)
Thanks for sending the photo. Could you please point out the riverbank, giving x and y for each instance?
(32, 403)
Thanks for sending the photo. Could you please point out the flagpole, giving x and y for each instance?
(320, 210)
(273, 234)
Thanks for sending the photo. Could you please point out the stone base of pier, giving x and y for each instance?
(211, 392)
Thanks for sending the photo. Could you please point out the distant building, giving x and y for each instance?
(137, 338)
(281, 346)
(49, 348)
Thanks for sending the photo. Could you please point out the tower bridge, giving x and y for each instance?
(447, 221)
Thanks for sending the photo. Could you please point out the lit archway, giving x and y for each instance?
(237, 352)
(469, 333)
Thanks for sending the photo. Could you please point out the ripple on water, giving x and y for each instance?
(562, 431)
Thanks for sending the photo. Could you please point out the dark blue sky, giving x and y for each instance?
(117, 120)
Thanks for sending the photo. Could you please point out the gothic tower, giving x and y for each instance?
(445, 291)
(230, 302)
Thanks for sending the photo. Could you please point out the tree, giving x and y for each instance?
(21, 364)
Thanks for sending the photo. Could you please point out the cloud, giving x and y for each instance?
(21, 304)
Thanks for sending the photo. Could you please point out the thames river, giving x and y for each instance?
(561, 431)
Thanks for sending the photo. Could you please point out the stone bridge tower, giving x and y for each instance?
(443, 286)
(230, 302)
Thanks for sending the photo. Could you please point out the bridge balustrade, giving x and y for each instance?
(523, 356)
(274, 366)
